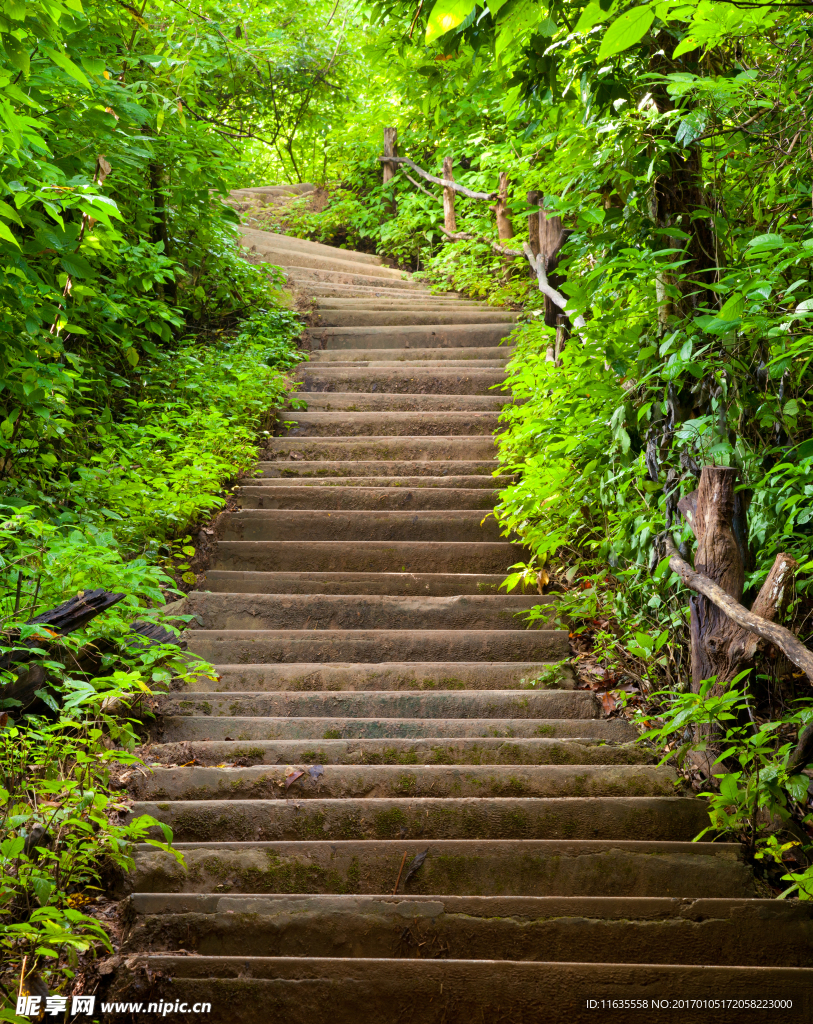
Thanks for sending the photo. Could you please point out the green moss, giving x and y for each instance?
(390, 823)
(332, 734)
(406, 783)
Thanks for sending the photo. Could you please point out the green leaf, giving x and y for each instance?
(805, 450)
(5, 232)
(797, 787)
(733, 308)
(515, 26)
(63, 61)
(791, 408)
(770, 241)
(626, 31)
(592, 15)
(446, 15)
(17, 54)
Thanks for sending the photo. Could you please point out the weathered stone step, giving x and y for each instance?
(265, 246)
(375, 319)
(355, 401)
(437, 302)
(437, 380)
(406, 675)
(306, 277)
(667, 819)
(351, 498)
(461, 704)
(412, 424)
(391, 472)
(400, 751)
(457, 525)
(363, 611)
(204, 727)
(384, 449)
(530, 867)
(492, 356)
(278, 241)
(413, 338)
(226, 646)
(356, 782)
(376, 556)
(417, 583)
(323, 289)
(305, 990)
(361, 359)
(571, 929)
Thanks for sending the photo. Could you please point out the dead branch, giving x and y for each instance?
(437, 181)
(465, 236)
(538, 266)
(775, 634)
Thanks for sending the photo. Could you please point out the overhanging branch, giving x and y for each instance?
(437, 181)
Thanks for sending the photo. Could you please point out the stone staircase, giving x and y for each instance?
(382, 820)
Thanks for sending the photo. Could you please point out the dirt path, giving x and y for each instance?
(372, 729)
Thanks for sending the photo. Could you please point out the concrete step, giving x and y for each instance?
(306, 277)
(493, 356)
(305, 990)
(441, 335)
(437, 302)
(378, 483)
(530, 928)
(264, 246)
(407, 675)
(439, 380)
(411, 424)
(397, 583)
(357, 782)
(354, 401)
(363, 359)
(355, 498)
(225, 646)
(377, 556)
(391, 473)
(189, 728)
(400, 751)
(382, 448)
(375, 319)
(442, 704)
(668, 819)
(363, 611)
(271, 239)
(314, 290)
(460, 525)
(530, 867)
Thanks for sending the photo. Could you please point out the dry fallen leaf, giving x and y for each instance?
(292, 775)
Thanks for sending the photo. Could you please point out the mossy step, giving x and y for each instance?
(377, 318)
(296, 496)
(305, 277)
(456, 525)
(464, 867)
(404, 379)
(229, 646)
(264, 782)
(366, 611)
(405, 675)
(435, 472)
(354, 401)
(400, 751)
(430, 991)
(441, 704)
(413, 556)
(204, 727)
(383, 448)
(419, 583)
(667, 818)
(273, 238)
(317, 423)
(595, 929)
(426, 334)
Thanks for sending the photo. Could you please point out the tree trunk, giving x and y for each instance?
(449, 221)
(505, 229)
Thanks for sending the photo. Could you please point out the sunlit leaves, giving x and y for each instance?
(446, 15)
(627, 30)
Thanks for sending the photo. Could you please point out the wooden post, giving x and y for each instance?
(449, 221)
(534, 199)
(505, 229)
(562, 334)
(390, 149)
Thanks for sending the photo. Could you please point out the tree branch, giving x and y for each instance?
(780, 637)
(464, 236)
(538, 265)
(437, 181)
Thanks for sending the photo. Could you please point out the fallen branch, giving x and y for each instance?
(418, 185)
(437, 181)
(779, 636)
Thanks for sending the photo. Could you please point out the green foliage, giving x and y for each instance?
(756, 798)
